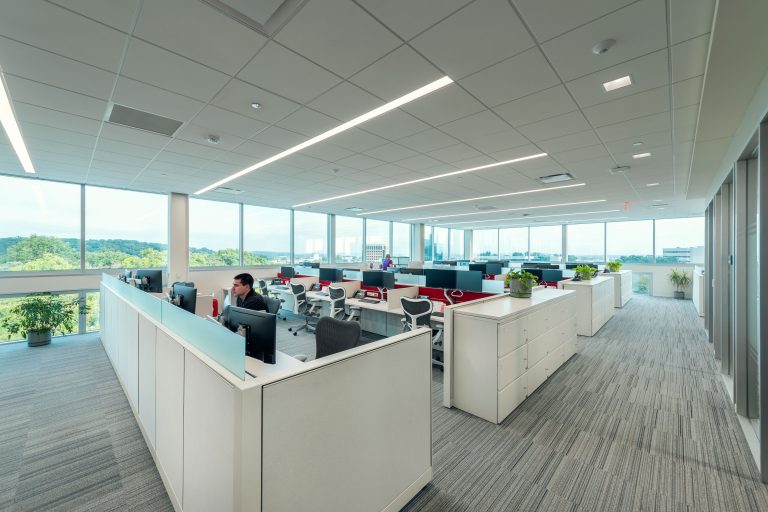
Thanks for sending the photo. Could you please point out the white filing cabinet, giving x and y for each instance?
(622, 286)
(595, 303)
(506, 348)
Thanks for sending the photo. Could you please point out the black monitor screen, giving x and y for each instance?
(185, 297)
(150, 280)
(388, 280)
(552, 275)
(374, 278)
(287, 272)
(259, 329)
(469, 280)
(412, 271)
(536, 272)
(478, 266)
(530, 264)
(334, 275)
(492, 268)
(309, 264)
(440, 278)
(571, 266)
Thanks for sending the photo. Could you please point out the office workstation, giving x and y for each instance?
(380, 168)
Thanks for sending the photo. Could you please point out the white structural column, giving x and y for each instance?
(178, 237)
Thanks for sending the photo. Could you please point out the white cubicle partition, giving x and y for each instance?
(339, 433)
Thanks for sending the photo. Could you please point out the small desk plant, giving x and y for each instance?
(681, 280)
(613, 266)
(39, 315)
(585, 272)
(520, 283)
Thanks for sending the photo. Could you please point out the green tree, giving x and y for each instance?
(35, 252)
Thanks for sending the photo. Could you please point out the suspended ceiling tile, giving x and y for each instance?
(427, 140)
(338, 35)
(445, 105)
(687, 92)
(636, 127)
(308, 122)
(690, 18)
(638, 105)
(479, 35)
(394, 125)
(536, 107)
(237, 97)
(407, 18)
(555, 127)
(148, 98)
(572, 141)
(550, 18)
(358, 140)
(278, 69)
(55, 119)
(689, 59)
(345, 102)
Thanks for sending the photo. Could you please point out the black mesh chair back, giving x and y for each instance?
(417, 312)
(273, 304)
(338, 297)
(263, 285)
(300, 296)
(332, 336)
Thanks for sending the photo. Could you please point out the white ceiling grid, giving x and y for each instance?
(526, 82)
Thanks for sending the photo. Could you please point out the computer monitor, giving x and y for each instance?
(478, 266)
(412, 271)
(551, 275)
(388, 280)
(185, 297)
(536, 272)
(530, 264)
(440, 278)
(334, 275)
(309, 264)
(469, 280)
(259, 329)
(150, 280)
(127, 275)
(492, 268)
(571, 266)
(373, 278)
(287, 272)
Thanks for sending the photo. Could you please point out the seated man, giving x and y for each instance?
(242, 289)
(387, 262)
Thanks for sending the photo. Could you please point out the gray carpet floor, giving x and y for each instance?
(637, 420)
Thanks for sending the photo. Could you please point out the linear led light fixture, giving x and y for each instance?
(526, 219)
(11, 126)
(617, 84)
(421, 180)
(402, 100)
(474, 199)
(510, 210)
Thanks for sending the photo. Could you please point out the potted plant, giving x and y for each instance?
(614, 266)
(585, 272)
(520, 283)
(681, 280)
(37, 316)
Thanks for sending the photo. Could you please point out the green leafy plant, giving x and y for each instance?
(585, 271)
(527, 280)
(614, 266)
(680, 279)
(43, 313)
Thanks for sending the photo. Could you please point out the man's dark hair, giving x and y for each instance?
(245, 278)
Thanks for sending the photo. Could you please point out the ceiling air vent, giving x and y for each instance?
(556, 178)
(138, 119)
(227, 190)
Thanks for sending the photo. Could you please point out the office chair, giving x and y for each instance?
(273, 304)
(302, 309)
(332, 336)
(417, 314)
(262, 284)
(338, 296)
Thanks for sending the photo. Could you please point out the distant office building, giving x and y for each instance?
(375, 252)
(685, 254)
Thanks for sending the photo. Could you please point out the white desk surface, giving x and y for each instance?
(504, 306)
(379, 306)
(261, 369)
(319, 296)
(589, 282)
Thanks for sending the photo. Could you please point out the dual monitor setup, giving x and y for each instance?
(146, 280)
(259, 329)
(334, 275)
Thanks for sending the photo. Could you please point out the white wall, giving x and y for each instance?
(662, 286)
(49, 283)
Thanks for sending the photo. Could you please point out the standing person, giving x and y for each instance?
(242, 289)
(387, 262)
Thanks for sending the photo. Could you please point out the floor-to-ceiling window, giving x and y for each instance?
(546, 243)
(456, 251)
(586, 242)
(513, 244)
(214, 233)
(349, 239)
(310, 232)
(428, 243)
(441, 244)
(376, 240)
(401, 241)
(680, 240)
(266, 236)
(630, 242)
(485, 244)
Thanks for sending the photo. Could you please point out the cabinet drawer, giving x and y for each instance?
(552, 362)
(536, 376)
(537, 349)
(512, 366)
(512, 396)
(512, 335)
(539, 322)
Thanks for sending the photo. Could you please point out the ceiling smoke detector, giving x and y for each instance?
(603, 46)
(555, 178)
(213, 139)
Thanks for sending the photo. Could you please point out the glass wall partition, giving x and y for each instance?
(376, 240)
(428, 243)
(125, 229)
(680, 240)
(266, 236)
(401, 240)
(630, 241)
(586, 242)
(214, 233)
(485, 244)
(349, 239)
(456, 247)
(513, 244)
(441, 244)
(39, 226)
(546, 243)
(310, 232)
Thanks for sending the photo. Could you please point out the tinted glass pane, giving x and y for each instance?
(485, 244)
(401, 240)
(441, 244)
(630, 242)
(39, 225)
(266, 236)
(125, 229)
(310, 235)
(214, 234)
(680, 240)
(349, 239)
(376, 240)
(428, 243)
(546, 243)
(513, 244)
(457, 245)
(586, 242)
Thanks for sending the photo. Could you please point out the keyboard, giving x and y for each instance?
(370, 301)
